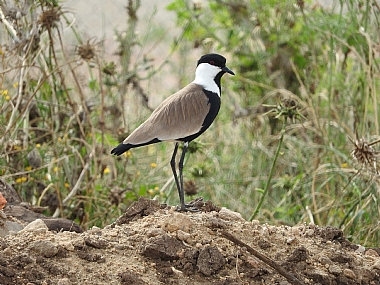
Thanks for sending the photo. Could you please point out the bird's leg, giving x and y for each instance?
(184, 207)
(179, 183)
(172, 164)
(180, 168)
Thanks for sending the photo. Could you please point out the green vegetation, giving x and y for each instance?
(295, 140)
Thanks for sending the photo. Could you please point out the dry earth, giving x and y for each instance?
(154, 244)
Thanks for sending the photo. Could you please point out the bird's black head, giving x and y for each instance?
(217, 60)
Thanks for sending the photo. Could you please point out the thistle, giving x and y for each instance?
(364, 153)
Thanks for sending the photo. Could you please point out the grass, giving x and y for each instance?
(57, 131)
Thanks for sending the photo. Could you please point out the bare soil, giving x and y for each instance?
(154, 244)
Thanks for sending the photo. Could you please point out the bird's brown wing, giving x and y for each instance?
(179, 116)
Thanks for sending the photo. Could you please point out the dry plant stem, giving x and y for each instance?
(35, 170)
(267, 185)
(263, 258)
(102, 105)
(43, 193)
(9, 26)
(19, 92)
(75, 189)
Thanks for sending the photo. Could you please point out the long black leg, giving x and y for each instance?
(180, 167)
(172, 164)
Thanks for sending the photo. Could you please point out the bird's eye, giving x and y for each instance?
(212, 62)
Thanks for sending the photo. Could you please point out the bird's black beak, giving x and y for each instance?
(226, 69)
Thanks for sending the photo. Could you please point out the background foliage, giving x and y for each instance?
(292, 140)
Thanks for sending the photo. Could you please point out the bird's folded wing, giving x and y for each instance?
(179, 116)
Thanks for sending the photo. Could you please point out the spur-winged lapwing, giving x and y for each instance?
(183, 116)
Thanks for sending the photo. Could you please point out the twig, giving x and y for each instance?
(264, 259)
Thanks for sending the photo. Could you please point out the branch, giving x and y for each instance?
(263, 258)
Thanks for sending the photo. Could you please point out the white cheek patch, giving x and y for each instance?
(204, 76)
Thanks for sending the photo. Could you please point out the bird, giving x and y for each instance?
(183, 116)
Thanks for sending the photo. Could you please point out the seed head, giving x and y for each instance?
(87, 51)
(50, 17)
(365, 154)
(288, 107)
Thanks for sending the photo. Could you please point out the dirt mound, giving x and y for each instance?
(154, 244)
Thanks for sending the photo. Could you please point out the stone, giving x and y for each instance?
(227, 214)
(44, 247)
(210, 260)
(37, 226)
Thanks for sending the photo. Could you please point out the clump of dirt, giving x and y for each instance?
(154, 244)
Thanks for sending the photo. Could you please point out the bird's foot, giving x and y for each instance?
(187, 208)
(193, 206)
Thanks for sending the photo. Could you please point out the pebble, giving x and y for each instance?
(371, 252)
(325, 260)
(37, 226)
(360, 249)
(349, 273)
(309, 232)
(177, 221)
(227, 214)
(335, 269)
(44, 247)
(155, 232)
(181, 235)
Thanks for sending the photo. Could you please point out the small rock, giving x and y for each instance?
(155, 232)
(67, 245)
(349, 273)
(177, 221)
(291, 240)
(325, 260)
(309, 232)
(163, 247)
(360, 249)
(181, 235)
(44, 247)
(37, 226)
(95, 242)
(371, 252)
(298, 255)
(78, 243)
(91, 257)
(227, 214)
(94, 230)
(335, 269)
(130, 277)
(210, 260)
(9, 227)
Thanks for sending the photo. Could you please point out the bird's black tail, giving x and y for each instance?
(121, 148)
